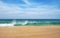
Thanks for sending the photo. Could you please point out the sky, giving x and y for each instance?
(29, 9)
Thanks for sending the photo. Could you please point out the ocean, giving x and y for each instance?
(29, 22)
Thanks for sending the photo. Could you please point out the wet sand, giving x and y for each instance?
(30, 32)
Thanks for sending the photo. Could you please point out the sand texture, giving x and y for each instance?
(30, 32)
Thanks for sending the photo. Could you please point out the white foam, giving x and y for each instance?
(10, 24)
(6, 24)
(24, 23)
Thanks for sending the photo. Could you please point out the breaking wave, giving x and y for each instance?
(27, 22)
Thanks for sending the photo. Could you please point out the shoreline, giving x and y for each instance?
(10, 25)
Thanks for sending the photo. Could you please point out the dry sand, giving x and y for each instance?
(30, 32)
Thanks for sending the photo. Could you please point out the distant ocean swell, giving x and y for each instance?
(28, 22)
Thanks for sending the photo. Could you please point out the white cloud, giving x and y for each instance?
(8, 9)
(14, 11)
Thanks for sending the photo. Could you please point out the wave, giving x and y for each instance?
(27, 22)
(8, 24)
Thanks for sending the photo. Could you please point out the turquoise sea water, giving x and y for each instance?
(29, 22)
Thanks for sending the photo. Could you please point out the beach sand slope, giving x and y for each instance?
(30, 32)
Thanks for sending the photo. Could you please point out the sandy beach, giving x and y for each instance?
(30, 32)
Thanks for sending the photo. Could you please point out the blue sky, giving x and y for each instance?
(29, 9)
